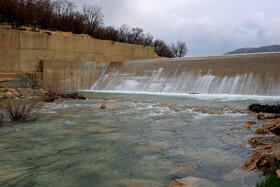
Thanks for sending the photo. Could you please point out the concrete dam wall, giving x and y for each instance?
(252, 74)
(76, 61)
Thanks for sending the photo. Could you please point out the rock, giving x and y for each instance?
(249, 124)
(265, 108)
(264, 140)
(261, 116)
(261, 131)
(72, 96)
(273, 126)
(50, 105)
(278, 173)
(176, 169)
(135, 183)
(191, 182)
(198, 110)
(109, 106)
(51, 112)
(265, 159)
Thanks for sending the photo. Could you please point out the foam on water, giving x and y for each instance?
(220, 97)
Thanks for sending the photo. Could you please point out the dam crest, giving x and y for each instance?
(250, 74)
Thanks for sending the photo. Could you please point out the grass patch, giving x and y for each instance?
(271, 181)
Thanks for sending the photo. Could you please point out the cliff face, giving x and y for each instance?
(62, 54)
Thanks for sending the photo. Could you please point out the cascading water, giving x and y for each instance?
(256, 74)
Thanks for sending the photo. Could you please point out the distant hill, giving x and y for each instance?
(263, 49)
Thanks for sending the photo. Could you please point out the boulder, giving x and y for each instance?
(191, 182)
(273, 126)
(265, 159)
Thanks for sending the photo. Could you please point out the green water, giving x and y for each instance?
(147, 140)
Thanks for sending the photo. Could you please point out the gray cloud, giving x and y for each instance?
(209, 27)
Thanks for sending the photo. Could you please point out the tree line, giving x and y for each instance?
(63, 15)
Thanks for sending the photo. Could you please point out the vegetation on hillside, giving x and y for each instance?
(62, 15)
(264, 49)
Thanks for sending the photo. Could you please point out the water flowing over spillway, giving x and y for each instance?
(254, 74)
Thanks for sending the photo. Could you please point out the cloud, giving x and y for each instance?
(208, 27)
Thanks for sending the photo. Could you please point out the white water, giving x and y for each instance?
(255, 77)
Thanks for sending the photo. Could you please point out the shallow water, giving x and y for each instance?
(146, 140)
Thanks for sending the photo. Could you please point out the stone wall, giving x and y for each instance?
(64, 55)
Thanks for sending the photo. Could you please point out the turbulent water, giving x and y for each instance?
(143, 140)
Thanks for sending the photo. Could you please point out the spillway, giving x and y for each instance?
(250, 74)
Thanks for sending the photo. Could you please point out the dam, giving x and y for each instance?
(249, 74)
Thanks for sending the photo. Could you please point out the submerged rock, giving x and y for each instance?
(237, 174)
(109, 106)
(273, 126)
(135, 183)
(191, 182)
(265, 159)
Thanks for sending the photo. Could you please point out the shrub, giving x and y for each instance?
(52, 90)
(21, 110)
(271, 181)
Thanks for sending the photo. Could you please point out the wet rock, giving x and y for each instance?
(50, 105)
(265, 108)
(264, 140)
(109, 106)
(191, 182)
(195, 109)
(273, 126)
(72, 96)
(265, 159)
(261, 131)
(135, 183)
(262, 116)
(249, 124)
(51, 112)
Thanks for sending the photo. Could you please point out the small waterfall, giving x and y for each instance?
(256, 74)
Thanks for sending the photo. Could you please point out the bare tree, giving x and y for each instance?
(162, 49)
(179, 49)
(93, 18)
(123, 33)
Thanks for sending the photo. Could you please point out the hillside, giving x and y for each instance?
(263, 49)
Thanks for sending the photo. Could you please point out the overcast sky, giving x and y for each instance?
(209, 27)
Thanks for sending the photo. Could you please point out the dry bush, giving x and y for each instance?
(52, 89)
(21, 110)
